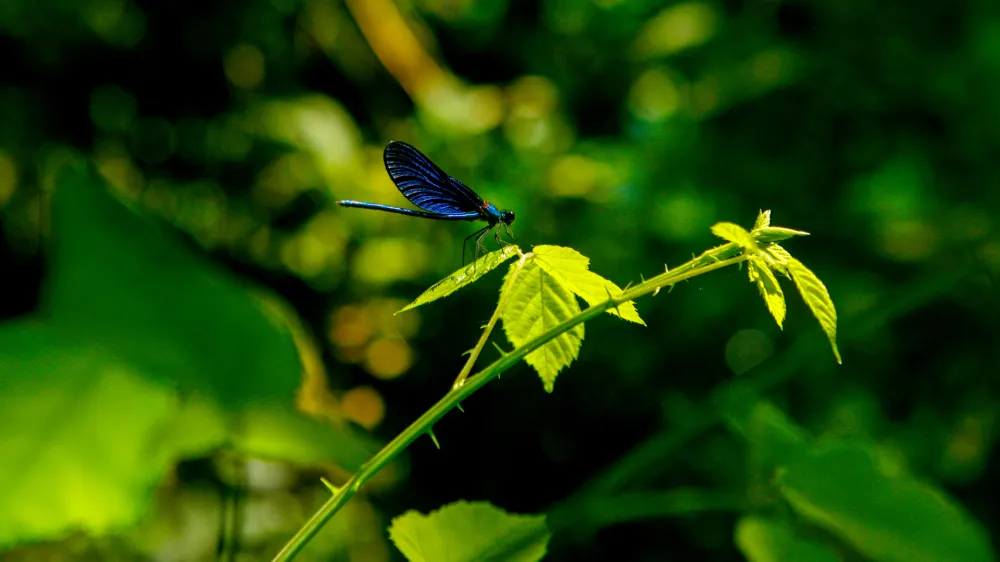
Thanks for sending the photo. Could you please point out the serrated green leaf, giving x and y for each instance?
(767, 283)
(470, 532)
(766, 539)
(570, 268)
(736, 234)
(463, 277)
(814, 292)
(776, 258)
(536, 303)
(888, 518)
(775, 234)
(763, 220)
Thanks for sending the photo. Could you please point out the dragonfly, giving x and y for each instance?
(441, 196)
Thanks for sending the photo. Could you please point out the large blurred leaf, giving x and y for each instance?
(887, 518)
(120, 281)
(467, 532)
(773, 438)
(144, 356)
(79, 434)
(763, 539)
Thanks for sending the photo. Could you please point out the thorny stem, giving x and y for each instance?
(713, 259)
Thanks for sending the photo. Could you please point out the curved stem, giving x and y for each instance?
(708, 261)
(464, 374)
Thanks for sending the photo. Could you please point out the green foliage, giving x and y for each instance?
(736, 234)
(81, 447)
(536, 303)
(813, 291)
(143, 356)
(763, 260)
(570, 269)
(470, 532)
(463, 277)
(763, 539)
(771, 292)
(848, 489)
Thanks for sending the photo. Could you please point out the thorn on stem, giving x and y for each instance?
(611, 299)
(333, 489)
(434, 438)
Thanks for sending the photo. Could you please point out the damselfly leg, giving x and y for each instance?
(480, 233)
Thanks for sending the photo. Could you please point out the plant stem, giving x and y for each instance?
(460, 380)
(708, 261)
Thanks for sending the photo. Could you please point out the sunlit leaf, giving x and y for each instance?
(887, 518)
(767, 283)
(814, 292)
(536, 303)
(776, 258)
(736, 234)
(763, 220)
(765, 539)
(463, 277)
(775, 234)
(570, 268)
(144, 355)
(81, 442)
(470, 532)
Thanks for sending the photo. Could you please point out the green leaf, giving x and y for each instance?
(120, 281)
(536, 303)
(736, 234)
(767, 283)
(570, 268)
(775, 234)
(463, 277)
(765, 539)
(776, 258)
(144, 355)
(470, 532)
(80, 448)
(887, 518)
(763, 220)
(814, 292)
(773, 438)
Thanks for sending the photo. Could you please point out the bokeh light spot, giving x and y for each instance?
(381, 313)
(363, 405)
(386, 260)
(747, 349)
(112, 108)
(244, 66)
(906, 240)
(532, 101)
(153, 140)
(655, 96)
(349, 326)
(115, 164)
(682, 214)
(387, 358)
(676, 28)
(8, 178)
(117, 22)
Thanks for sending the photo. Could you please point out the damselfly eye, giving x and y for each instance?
(507, 216)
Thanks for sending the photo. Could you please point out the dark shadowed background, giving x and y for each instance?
(621, 128)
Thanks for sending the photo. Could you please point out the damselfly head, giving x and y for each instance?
(507, 217)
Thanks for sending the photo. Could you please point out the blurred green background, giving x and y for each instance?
(155, 339)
